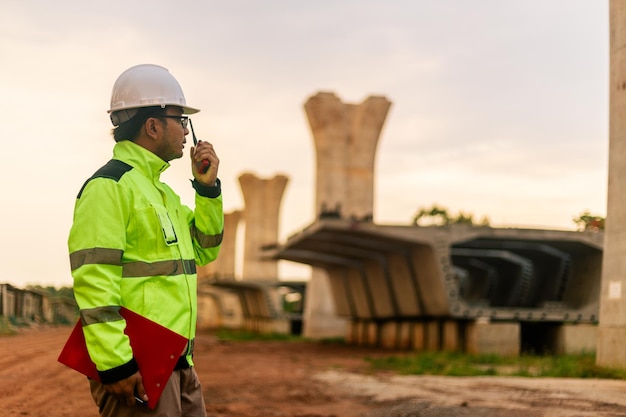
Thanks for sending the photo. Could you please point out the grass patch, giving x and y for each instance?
(460, 364)
(457, 363)
(5, 327)
(235, 335)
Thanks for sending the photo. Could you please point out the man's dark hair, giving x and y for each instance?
(130, 129)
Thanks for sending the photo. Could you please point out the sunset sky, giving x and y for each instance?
(500, 107)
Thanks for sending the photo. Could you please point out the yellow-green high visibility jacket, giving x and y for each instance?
(133, 244)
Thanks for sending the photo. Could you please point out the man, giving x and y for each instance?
(134, 245)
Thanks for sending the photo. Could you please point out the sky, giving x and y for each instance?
(499, 107)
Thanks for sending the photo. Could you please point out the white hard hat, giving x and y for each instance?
(145, 85)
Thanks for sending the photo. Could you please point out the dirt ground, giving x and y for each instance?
(286, 379)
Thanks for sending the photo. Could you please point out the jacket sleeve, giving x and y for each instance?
(206, 223)
(96, 244)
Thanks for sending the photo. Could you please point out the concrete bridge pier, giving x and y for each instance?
(345, 138)
(262, 208)
(224, 265)
(256, 293)
(612, 328)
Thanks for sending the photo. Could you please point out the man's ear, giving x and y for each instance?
(151, 127)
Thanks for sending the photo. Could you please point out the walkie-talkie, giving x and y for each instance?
(202, 166)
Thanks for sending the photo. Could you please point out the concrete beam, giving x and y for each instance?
(417, 272)
(493, 338)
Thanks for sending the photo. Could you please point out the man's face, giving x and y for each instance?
(172, 140)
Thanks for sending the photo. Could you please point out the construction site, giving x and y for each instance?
(454, 287)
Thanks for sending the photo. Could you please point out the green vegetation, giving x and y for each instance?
(235, 335)
(460, 364)
(52, 292)
(5, 327)
(589, 222)
(439, 216)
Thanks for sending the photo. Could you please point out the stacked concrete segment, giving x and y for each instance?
(259, 304)
(388, 272)
(442, 287)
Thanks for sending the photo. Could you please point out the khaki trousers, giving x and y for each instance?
(182, 397)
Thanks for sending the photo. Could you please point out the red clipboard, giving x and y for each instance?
(155, 348)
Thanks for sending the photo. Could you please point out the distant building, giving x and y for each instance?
(33, 306)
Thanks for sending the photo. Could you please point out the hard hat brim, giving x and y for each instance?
(186, 109)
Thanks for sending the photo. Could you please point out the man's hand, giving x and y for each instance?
(126, 389)
(204, 150)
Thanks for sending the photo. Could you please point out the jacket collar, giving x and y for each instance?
(139, 158)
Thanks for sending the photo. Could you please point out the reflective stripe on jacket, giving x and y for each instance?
(133, 244)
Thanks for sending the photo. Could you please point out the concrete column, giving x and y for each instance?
(404, 335)
(450, 334)
(432, 336)
(4, 301)
(612, 328)
(345, 138)
(418, 336)
(224, 265)
(484, 337)
(371, 332)
(389, 334)
(319, 317)
(352, 333)
(361, 333)
(262, 207)
(572, 339)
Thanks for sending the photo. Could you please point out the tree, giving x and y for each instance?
(52, 292)
(439, 216)
(589, 222)
(463, 218)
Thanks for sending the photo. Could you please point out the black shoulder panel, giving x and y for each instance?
(113, 169)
